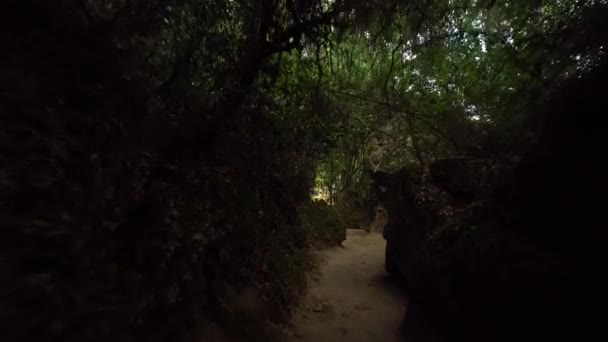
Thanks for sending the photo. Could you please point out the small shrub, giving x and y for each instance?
(323, 222)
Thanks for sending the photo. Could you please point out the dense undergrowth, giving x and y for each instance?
(115, 227)
(325, 222)
(157, 157)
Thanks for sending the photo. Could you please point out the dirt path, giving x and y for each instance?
(352, 299)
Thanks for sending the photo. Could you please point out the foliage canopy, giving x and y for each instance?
(194, 130)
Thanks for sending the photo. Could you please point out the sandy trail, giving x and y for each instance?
(352, 299)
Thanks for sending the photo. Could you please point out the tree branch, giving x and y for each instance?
(444, 136)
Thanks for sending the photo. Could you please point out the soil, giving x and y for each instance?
(351, 297)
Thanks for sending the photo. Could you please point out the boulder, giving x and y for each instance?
(465, 177)
(525, 264)
(380, 220)
(414, 207)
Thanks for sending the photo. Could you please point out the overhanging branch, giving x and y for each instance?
(416, 116)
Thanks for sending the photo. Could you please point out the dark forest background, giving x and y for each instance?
(159, 160)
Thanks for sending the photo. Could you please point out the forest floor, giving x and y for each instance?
(351, 297)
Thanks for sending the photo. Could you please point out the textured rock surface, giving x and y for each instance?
(522, 262)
